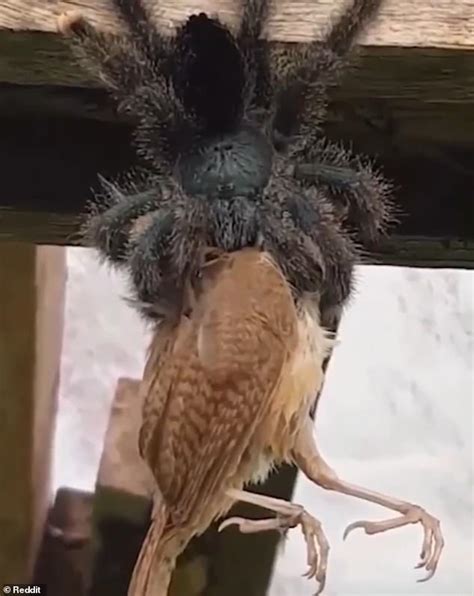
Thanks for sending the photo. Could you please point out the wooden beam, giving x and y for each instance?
(416, 56)
(405, 251)
(40, 228)
(31, 324)
(425, 95)
(414, 81)
(50, 165)
(404, 23)
(413, 251)
(63, 156)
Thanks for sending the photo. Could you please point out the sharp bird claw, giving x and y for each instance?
(433, 542)
(354, 526)
(317, 550)
(230, 522)
(316, 541)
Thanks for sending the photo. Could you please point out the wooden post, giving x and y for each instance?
(122, 501)
(32, 283)
(65, 557)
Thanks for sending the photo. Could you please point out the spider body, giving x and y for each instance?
(222, 124)
(236, 163)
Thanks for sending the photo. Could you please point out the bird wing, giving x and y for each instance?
(154, 402)
(216, 380)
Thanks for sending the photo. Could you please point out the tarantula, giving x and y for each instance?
(222, 124)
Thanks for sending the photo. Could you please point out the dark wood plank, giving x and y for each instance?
(416, 61)
(50, 167)
(64, 564)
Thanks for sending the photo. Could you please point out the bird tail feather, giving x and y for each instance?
(157, 558)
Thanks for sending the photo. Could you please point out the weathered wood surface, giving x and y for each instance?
(31, 324)
(39, 228)
(425, 46)
(442, 24)
(414, 251)
(66, 553)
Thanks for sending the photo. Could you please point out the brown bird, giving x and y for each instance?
(228, 390)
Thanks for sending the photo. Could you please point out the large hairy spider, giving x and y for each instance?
(222, 123)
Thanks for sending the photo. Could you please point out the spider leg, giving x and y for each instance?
(254, 17)
(145, 263)
(358, 192)
(115, 60)
(145, 34)
(348, 27)
(305, 74)
(109, 230)
(258, 92)
(298, 256)
(165, 250)
(302, 232)
(140, 81)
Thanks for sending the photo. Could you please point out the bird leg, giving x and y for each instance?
(308, 459)
(289, 515)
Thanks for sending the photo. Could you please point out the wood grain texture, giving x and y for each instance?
(415, 57)
(426, 23)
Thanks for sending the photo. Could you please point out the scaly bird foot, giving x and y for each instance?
(433, 541)
(253, 526)
(289, 516)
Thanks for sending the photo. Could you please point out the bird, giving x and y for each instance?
(226, 390)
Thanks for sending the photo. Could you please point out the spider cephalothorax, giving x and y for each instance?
(222, 124)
